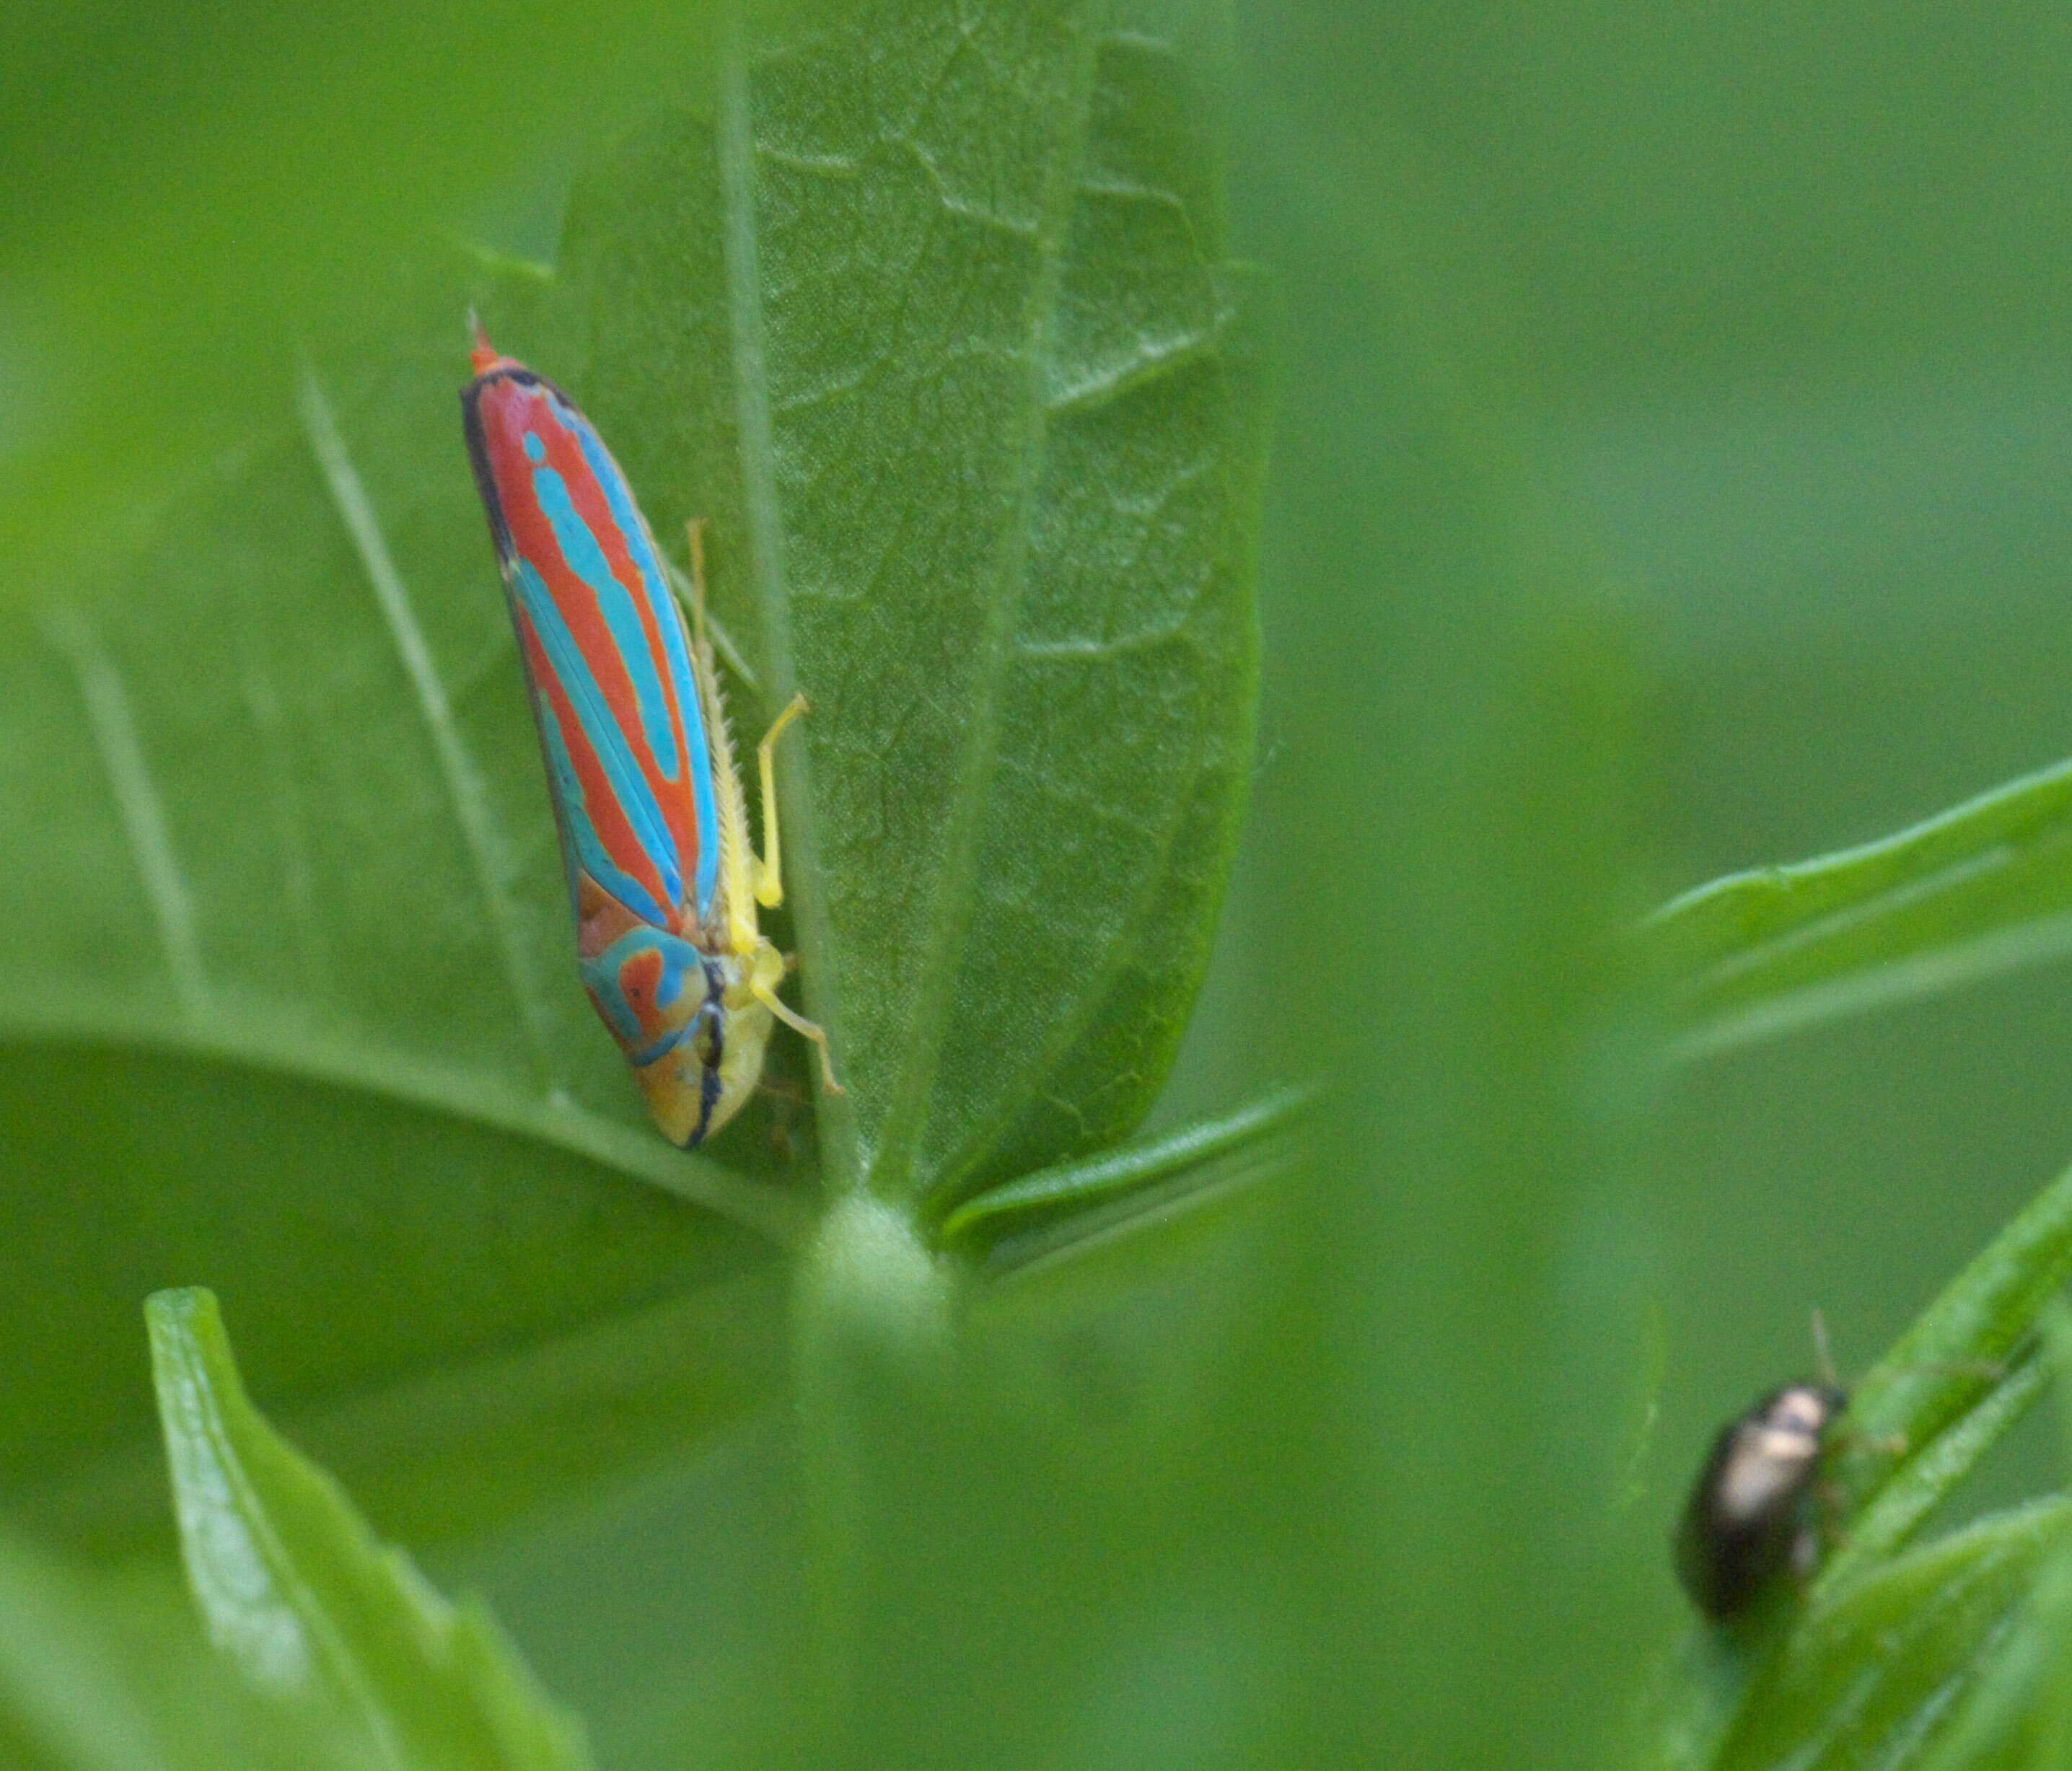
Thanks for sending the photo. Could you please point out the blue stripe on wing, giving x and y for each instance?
(669, 623)
(601, 732)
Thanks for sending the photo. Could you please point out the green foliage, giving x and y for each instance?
(1067, 1393)
(974, 406)
(1921, 1629)
(1871, 1679)
(296, 1593)
(1986, 886)
(306, 871)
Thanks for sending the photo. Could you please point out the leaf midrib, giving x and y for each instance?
(890, 1162)
(243, 1032)
(839, 1142)
(483, 840)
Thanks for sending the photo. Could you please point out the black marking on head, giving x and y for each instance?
(708, 1082)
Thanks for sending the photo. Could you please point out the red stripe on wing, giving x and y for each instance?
(600, 806)
(510, 409)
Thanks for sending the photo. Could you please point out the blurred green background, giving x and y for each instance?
(1779, 295)
(1751, 314)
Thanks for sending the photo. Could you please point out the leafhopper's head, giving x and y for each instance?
(691, 1028)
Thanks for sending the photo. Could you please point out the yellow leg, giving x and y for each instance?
(690, 592)
(799, 1024)
(769, 867)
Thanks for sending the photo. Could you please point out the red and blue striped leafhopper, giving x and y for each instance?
(654, 827)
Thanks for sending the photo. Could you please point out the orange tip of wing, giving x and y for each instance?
(485, 356)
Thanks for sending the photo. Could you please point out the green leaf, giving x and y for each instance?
(108, 1672)
(296, 1592)
(286, 985)
(956, 366)
(1063, 1208)
(1959, 1376)
(1869, 1680)
(975, 407)
(1906, 1494)
(2018, 1710)
(1983, 887)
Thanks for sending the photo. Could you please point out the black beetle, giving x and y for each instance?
(1754, 1509)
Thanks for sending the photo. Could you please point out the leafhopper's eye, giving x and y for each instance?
(705, 1040)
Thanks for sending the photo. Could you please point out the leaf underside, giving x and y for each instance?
(983, 438)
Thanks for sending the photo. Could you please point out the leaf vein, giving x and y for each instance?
(257, 1034)
(735, 136)
(1015, 227)
(137, 800)
(935, 974)
(298, 876)
(1154, 361)
(488, 853)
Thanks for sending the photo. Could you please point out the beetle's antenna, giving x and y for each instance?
(1821, 1353)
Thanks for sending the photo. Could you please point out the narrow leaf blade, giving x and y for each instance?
(1983, 887)
(1964, 1350)
(296, 1593)
(1955, 1382)
(1061, 1208)
(1871, 1679)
